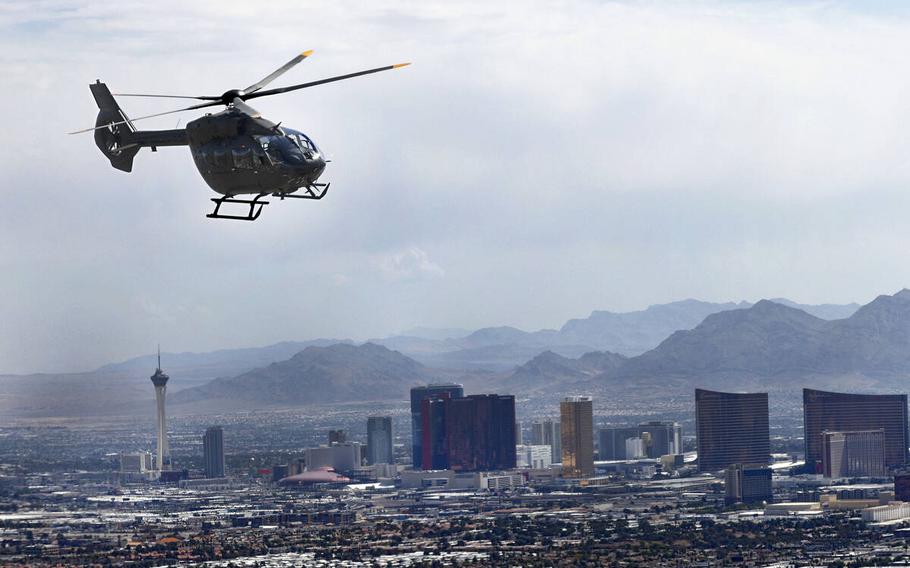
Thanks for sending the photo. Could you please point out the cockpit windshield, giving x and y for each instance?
(292, 147)
(301, 140)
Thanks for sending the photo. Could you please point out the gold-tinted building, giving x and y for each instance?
(577, 433)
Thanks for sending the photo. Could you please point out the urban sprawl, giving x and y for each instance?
(461, 479)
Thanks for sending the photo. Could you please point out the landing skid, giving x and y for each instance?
(316, 191)
(255, 207)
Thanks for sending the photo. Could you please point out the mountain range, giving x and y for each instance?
(727, 345)
(765, 344)
(778, 343)
(199, 368)
(335, 373)
(628, 333)
(549, 372)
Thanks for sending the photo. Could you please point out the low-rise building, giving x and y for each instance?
(533, 456)
(783, 509)
(339, 456)
(497, 481)
(138, 462)
(449, 479)
(890, 512)
(748, 484)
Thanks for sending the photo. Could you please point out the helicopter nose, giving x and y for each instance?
(313, 165)
(318, 164)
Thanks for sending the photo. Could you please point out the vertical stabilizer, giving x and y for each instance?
(113, 141)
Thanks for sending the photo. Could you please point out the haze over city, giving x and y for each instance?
(608, 283)
(532, 165)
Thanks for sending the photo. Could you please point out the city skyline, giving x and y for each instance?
(291, 487)
(597, 283)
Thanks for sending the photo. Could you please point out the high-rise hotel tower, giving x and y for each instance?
(159, 379)
(844, 412)
(577, 430)
(732, 428)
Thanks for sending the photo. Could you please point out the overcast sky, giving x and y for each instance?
(536, 162)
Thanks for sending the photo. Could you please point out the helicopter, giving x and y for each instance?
(240, 155)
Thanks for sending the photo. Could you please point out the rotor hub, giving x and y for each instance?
(229, 96)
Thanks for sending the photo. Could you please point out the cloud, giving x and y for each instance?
(620, 153)
(412, 263)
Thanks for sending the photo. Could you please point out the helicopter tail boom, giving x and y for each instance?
(120, 141)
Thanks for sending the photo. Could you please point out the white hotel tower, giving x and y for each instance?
(159, 379)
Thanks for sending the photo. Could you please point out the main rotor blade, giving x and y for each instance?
(268, 92)
(194, 107)
(278, 72)
(167, 96)
(245, 108)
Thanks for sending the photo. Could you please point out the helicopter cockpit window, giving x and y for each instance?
(270, 148)
(303, 142)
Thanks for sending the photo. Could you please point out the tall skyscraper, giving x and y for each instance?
(841, 412)
(480, 432)
(731, 428)
(379, 440)
(213, 452)
(546, 433)
(577, 429)
(159, 379)
(418, 395)
(854, 454)
(434, 445)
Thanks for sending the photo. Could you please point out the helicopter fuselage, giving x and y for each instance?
(238, 154)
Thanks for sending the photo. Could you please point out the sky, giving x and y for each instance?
(536, 162)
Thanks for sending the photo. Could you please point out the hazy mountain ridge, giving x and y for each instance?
(336, 373)
(497, 358)
(549, 370)
(632, 333)
(774, 341)
(124, 388)
(822, 311)
(195, 368)
(627, 333)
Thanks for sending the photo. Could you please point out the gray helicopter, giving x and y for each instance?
(237, 151)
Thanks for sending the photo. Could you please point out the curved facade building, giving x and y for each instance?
(732, 428)
(845, 412)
